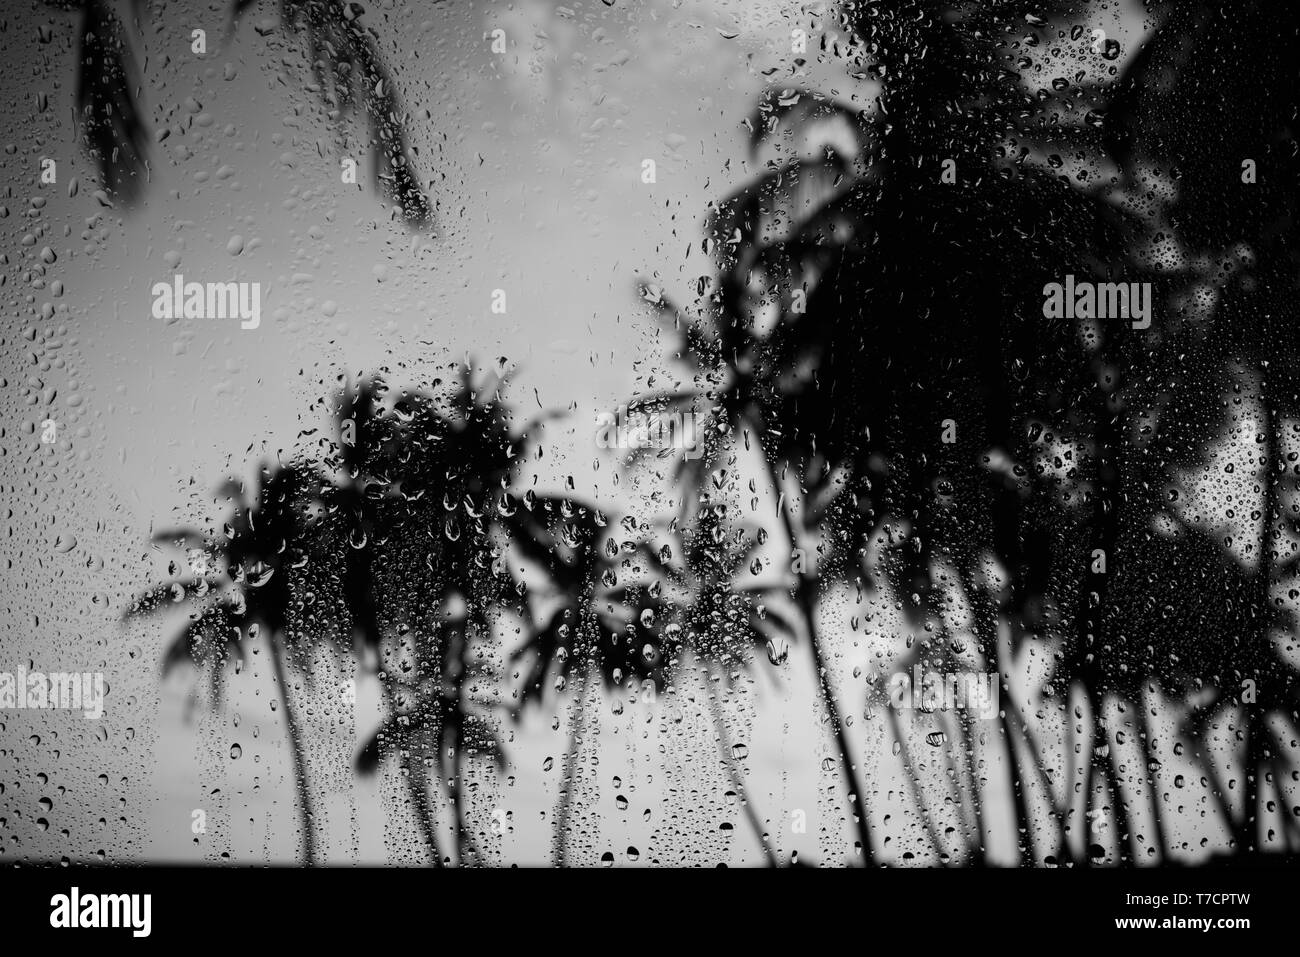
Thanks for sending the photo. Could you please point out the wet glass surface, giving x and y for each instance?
(664, 433)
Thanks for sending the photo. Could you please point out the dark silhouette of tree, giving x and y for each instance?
(865, 306)
(726, 623)
(112, 128)
(364, 441)
(874, 341)
(350, 72)
(401, 532)
(1219, 625)
(630, 613)
(439, 472)
(252, 590)
(877, 325)
(346, 66)
(576, 635)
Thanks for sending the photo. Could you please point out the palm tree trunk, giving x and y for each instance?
(1123, 826)
(464, 847)
(1014, 722)
(1246, 831)
(1152, 782)
(460, 647)
(737, 781)
(416, 781)
(1290, 824)
(302, 792)
(1020, 804)
(564, 808)
(979, 852)
(1077, 732)
(1023, 821)
(1091, 616)
(1072, 769)
(805, 596)
(913, 785)
(417, 788)
(1005, 519)
(454, 769)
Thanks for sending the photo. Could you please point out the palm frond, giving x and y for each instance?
(112, 127)
(345, 57)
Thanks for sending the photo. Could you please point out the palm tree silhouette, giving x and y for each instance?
(941, 281)
(921, 257)
(874, 343)
(629, 612)
(350, 71)
(358, 454)
(1232, 211)
(439, 478)
(252, 590)
(112, 126)
(561, 539)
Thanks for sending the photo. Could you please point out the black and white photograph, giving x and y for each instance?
(453, 449)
